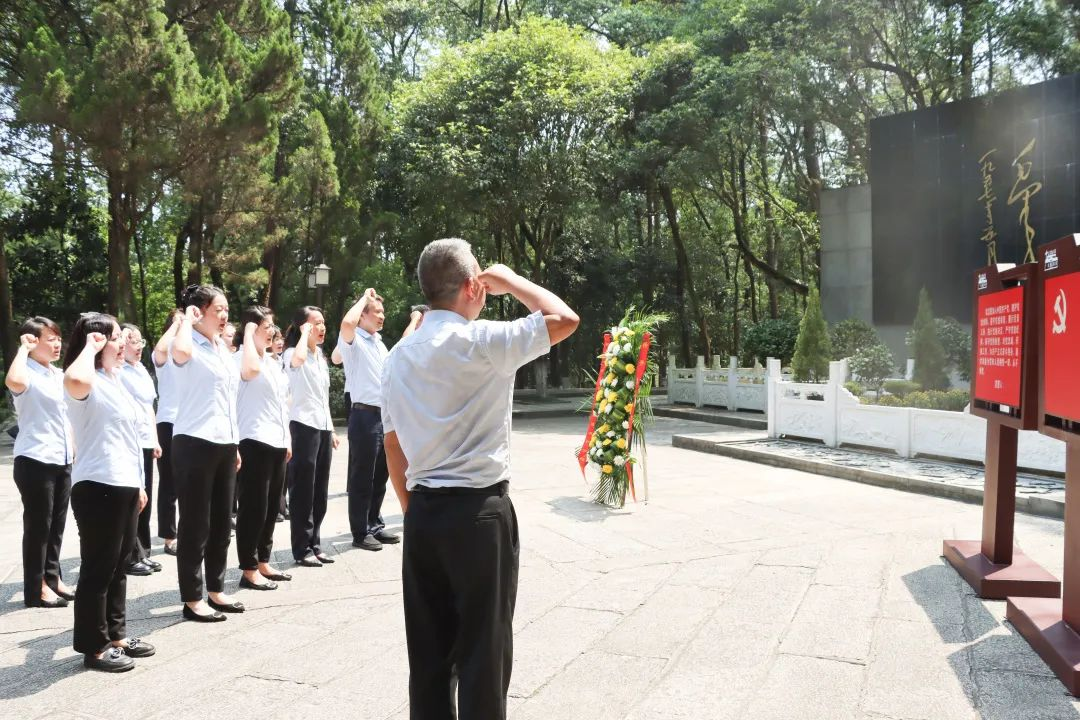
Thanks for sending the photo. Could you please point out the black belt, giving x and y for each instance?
(499, 488)
(362, 406)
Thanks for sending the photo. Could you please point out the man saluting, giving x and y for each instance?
(447, 395)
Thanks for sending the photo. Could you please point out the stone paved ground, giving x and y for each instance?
(738, 591)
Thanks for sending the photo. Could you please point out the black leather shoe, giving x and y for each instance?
(112, 660)
(139, 648)
(154, 564)
(387, 538)
(277, 576)
(368, 543)
(170, 549)
(139, 568)
(208, 618)
(325, 559)
(42, 603)
(235, 606)
(64, 594)
(269, 585)
(309, 561)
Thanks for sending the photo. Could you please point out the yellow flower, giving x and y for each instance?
(609, 378)
(607, 469)
(599, 394)
(603, 407)
(630, 369)
(629, 406)
(607, 442)
(611, 395)
(621, 443)
(603, 429)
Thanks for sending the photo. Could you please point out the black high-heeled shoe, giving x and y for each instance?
(208, 618)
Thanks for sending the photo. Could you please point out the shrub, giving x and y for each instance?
(812, 349)
(854, 388)
(770, 339)
(851, 335)
(954, 400)
(889, 401)
(926, 348)
(872, 365)
(900, 388)
(337, 391)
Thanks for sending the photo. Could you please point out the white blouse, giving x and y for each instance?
(309, 386)
(138, 382)
(207, 385)
(44, 431)
(262, 403)
(106, 428)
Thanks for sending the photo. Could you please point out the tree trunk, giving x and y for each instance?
(8, 341)
(772, 251)
(684, 268)
(178, 259)
(142, 282)
(969, 32)
(121, 298)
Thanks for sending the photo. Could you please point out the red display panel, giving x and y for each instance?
(999, 334)
(1061, 345)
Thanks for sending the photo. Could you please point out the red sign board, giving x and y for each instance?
(999, 338)
(1061, 345)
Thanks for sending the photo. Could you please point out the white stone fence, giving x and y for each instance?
(829, 413)
(730, 387)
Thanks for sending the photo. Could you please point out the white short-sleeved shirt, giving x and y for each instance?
(363, 360)
(106, 428)
(448, 393)
(262, 404)
(207, 385)
(309, 388)
(138, 382)
(44, 432)
(168, 397)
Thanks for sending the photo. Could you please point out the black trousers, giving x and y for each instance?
(45, 491)
(205, 478)
(309, 483)
(258, 488)
(141, 548)
(459, 573)
(166, 504)
(107, 517)
(367, 472)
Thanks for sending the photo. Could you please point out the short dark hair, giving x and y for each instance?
(34, 326)
(292, 335)
(254, 314)
(200, 296)
(88, 323)
(169, 319)
(422, 309)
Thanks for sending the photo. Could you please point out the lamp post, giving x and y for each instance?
(318, 279)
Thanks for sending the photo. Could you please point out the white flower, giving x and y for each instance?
(626, 348)
(612, 347)
(611, 433)
(614, 330)
(620, 460)
(625, 425)
(629, 384)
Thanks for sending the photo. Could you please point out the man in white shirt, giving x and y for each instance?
(362, 353)
(447, 395)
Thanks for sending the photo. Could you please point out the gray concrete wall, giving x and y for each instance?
(847, 289)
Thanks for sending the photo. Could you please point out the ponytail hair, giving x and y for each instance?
(200, 296)
(252, 314)
(292, 335)
(88, 323)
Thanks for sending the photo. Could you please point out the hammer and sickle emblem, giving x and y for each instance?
(1060, 311)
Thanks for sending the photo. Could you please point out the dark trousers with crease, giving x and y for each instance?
(309, 483)
(459, 573)
(166, 504)
(141, 548)
(367, 472)
(107, 517)
(45, 491)
(258, 488)
(205, 478)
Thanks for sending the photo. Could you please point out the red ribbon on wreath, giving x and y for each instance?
(583, 454)
(642, 366)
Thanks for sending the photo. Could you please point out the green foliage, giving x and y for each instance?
(926, 348)
(849, 336)
(812, 349)
(337, 392)
(956, 342)
(872, 364)
(954, 400)
(854, 388)
(771, 339)
(900, 388)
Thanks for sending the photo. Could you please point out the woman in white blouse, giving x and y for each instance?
(107, 490)
(262, 407)
(42, 460)
(166, 416)
(137, 381)
(312, 431)
(205, 455)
